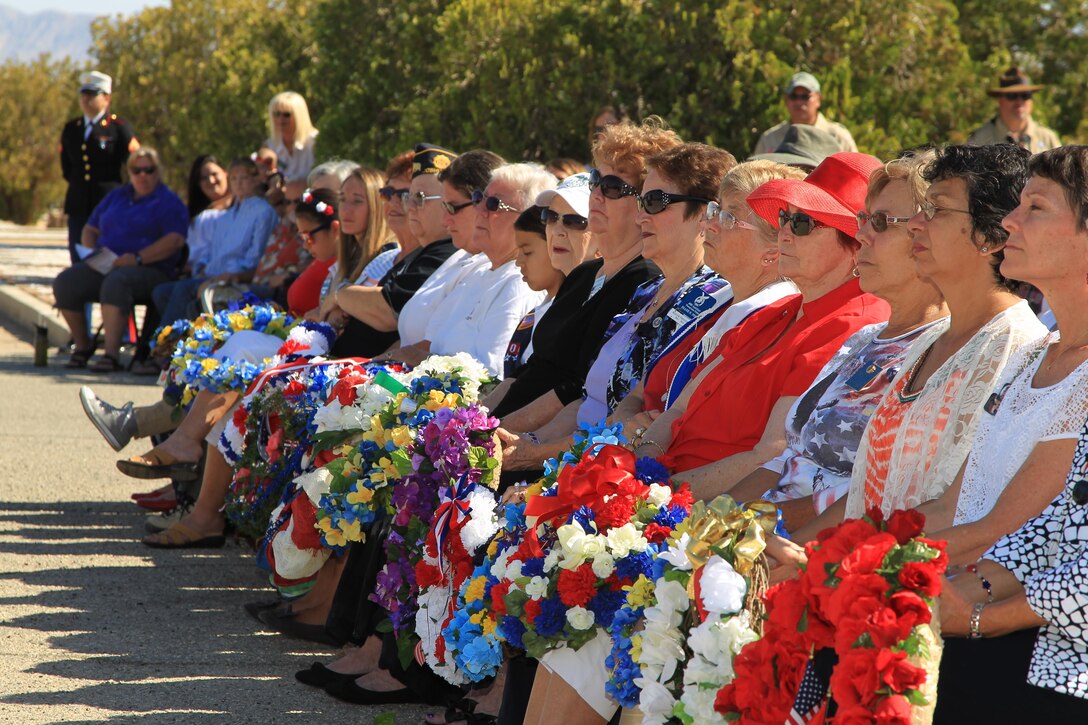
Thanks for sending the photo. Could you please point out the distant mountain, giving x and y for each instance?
(25, 36)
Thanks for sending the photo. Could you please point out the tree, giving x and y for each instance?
(38, 98)
(196, 77)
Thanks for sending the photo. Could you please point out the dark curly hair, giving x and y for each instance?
(1066, 166)
(995, 175)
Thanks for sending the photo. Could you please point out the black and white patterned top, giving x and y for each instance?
(1049, 555)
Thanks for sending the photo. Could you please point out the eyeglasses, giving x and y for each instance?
(929, 209)
(148, 170)
(1025, 96)
(726, 219)
(880, 220)
(388, 192)
(420, 198)
(799, 96)
(307, 237)
(281, 114)
(570, 221)
(801, 224)
(611, 186)
(491, 203)
(452, 208)
(656, 201)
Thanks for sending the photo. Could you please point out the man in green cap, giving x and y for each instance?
(1013, 122)
(802, 95)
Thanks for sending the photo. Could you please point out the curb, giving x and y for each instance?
(26, 311)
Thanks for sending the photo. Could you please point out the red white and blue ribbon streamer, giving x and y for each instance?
(451, 514)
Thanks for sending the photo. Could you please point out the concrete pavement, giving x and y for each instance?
(95, 627)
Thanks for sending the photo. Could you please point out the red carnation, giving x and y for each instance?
(577, 586)
(922, 578)
(498, 591)
(618, 511)
(682, 496)
(897, 673)
(656, 533)
(910, 608)
(726, 700)
(427, 575)
(894, 710)
(290, 347)
(294, 389)
(240, 415)
(855, 680)
(532, 610)
(905, 525)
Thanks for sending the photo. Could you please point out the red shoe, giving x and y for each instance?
(157, 504)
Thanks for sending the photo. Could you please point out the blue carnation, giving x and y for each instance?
(649, 470)
(630, 566)
(511, 629)
(605, 604)
(552, 617)
(670, 516)
(533, 567)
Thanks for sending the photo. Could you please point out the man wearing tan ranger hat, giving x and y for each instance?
(1013, 123)
(802, 95)
(93, 149)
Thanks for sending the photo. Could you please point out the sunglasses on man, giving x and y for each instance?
(1025, 96)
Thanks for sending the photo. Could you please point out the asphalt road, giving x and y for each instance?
(95, 627)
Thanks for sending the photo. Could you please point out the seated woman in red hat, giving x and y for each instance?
(731, 418)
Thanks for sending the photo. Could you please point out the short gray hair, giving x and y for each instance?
(527, 179)
(340, 168)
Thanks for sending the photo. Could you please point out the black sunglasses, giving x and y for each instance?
(491, 203)
(799, 96)
(148, 170)
(388, 192)
(1025, 96)
(611, 186)
(656, 201)
(570, 221)
(452, 208)
(801, 224)
(880, 220)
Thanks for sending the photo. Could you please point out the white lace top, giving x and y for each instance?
(912, 451)
(1026, 416)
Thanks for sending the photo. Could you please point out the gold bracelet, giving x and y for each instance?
(655, 444)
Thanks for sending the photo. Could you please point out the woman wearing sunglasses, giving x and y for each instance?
(292, 136)
(373, 311)
(824, 426)
(730, 418)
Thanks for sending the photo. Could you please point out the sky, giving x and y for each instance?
(96, 7)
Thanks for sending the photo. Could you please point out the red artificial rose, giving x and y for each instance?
(656, 533)
(242, 473)
(911, 609)
(855, 679)
(532, 610)
(856, 596)
(427, 575)
(682, 497)
(886, 627)
(894, 710)
(905, 525)
(831, 547)
(854, 715)
(498, 591)
(867, 556)
(786, 609)
(274, 446)
(897, 673)
(577, 586)
(766, 682)
(940, 563)
(922, 578)
(876, 514)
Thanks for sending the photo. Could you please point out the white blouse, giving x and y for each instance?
(296, 164)
(1025, 417)
(415, 316)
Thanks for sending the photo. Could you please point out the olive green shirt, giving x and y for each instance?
(772, 138)
(1035, 138)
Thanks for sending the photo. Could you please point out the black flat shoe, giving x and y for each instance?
(254, 609)
(321, 676)
(287, 625)
(348, 691)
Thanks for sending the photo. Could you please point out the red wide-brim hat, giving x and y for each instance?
(833, 193)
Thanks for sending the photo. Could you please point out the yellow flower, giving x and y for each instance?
(640, 592)
(477, 618)
(493, 548)
(209, 364)
(636, 647)
(335, 538)
(402, 436)
(475, 590)
(352, 531)
(363, 495)
(238, 321)
(488, 625)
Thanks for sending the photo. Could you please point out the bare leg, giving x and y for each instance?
(553, 700)
(206, 518)
(184, 444)
(113, 322)
(77, 323)
(488, 700)
(359, 660)
(313, 607)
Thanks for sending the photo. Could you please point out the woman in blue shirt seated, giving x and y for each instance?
(143, 224)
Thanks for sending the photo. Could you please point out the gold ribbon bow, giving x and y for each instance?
(719, 522)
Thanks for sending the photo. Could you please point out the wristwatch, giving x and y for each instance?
(139, 260)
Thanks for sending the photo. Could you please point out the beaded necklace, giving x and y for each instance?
(904, 393)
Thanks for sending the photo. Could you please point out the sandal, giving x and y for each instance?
(79, 358)
(180, 536)
(106, 364)
(156, 464)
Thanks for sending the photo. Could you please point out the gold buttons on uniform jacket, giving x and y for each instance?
(86, 157)
(86, 177)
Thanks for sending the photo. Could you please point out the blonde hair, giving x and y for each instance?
(625, 146)
(296, 104)
(145, 152)
(745, 178)
(909, 167)
(353, 253)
